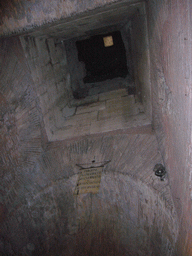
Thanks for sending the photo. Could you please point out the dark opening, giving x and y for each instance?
(103, 62)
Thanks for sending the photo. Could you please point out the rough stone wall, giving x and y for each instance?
(76, 68)
(126, 36)
(170, 50)
(47, 61)
(28, 196)
(20, 16)
(63, 116)
(21, 144)
(140, 57)
(39, 213)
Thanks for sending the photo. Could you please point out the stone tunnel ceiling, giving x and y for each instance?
(70, 17)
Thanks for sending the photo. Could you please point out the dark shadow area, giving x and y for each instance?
(101, 62)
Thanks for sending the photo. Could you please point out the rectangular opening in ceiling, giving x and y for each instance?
(103, 61)
(86, 88)
(100, 62)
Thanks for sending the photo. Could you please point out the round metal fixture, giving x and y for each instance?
(160, 171)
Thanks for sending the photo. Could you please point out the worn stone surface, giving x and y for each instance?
(170, 44)
(141, 61)
(20, 141)
(26, 16)
(85, 101)
(133, 213)
(90, 108)
(67, 111)
(51, 77)
(119, 111)
(64, 117)
(39, 213)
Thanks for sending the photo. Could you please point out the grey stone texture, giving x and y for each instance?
(51, 78)
(40, 214)
(115, 110)
(134, 212)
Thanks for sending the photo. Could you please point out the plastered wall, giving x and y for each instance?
(170, 38)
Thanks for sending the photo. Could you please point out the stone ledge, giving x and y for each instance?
(81, 102)
(112, 94)
(115, 111)
(90, 108)
(134, 124)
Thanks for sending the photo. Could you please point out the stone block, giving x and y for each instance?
(135, 121)
(52, 91)
(129, 107)
(62, 101)
(87, 100)
(35, 69)
(44, 57)
(70, 121)
(67, 111)
(60, 53)
(44, 102)
(82, 128)
(83, 123)
(113, 109)
(112, 94)
(113, 105)
(85, 117)
(59, 119)
(52, 50)
(90, 108)
(104, 114)
(106, 125)
(29, 46)
(66, 132)
(61, 87)
(128, 100)
(47, 73)
(77, 125)
(63, 60)
(33, 48)
(120, 106)
(119, 123)
(59, 73)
